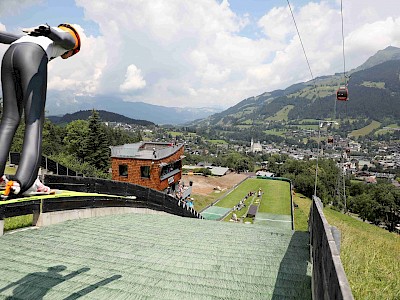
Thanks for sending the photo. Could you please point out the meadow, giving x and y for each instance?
(366, 130)
(370, 255)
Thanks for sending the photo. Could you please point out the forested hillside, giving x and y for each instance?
(82, 145)
(374, 93)
(105, 116)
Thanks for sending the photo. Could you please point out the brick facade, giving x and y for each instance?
(134, 174)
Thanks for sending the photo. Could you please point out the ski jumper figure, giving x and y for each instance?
(24, 84)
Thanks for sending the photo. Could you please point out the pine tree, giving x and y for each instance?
(96, 148)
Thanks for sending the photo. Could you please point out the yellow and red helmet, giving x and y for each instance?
(67, 27)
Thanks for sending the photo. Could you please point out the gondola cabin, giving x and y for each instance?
(342, 94)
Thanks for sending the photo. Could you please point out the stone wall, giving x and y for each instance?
(329, 280)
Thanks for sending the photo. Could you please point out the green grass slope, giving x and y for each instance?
(370, 255)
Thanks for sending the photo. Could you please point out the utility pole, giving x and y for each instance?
(341, 183)
(321, 124)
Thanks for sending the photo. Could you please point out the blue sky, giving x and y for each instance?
(205, 53)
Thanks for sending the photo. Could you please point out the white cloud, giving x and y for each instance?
(196, 53)
(275, 23)
(81, 73)
(133, 80)
(12, 7)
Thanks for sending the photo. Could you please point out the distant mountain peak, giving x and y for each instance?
(374, 93)
(389, 53)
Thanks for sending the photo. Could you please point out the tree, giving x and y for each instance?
(76, 134)
(52, 138)
(96, 150)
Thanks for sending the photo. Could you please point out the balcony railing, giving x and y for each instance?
(169, 174)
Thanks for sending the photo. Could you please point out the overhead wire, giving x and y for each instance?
(345, 83)
(344, 57)
(317, 92)
(301, 42)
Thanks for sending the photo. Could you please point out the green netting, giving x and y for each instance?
(214, 212)
(138, 256)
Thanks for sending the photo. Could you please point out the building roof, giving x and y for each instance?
(145, 150)
(218, 171)
(265, 174)
(138, 256)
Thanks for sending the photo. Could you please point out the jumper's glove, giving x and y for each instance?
(41, 30)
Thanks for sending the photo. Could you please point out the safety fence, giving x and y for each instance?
(141, 196)
(46, 163)
(329, 280)
(101, 193)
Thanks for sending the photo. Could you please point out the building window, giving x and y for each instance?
(145, 171)
(123, 170)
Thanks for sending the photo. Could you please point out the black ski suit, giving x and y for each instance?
(24, 85)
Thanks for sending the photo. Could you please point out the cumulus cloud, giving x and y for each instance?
(81, 73)
(195, 50)
(199, 53)
(12, 7)
(133, 80)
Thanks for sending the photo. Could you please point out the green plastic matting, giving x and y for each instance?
(214, 212)
(274, 221)
(139, 256)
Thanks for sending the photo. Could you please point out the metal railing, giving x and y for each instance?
(46, 163)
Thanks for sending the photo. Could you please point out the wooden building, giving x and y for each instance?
(154, 165)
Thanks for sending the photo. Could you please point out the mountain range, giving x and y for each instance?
(60, 105)
(374, 92)
(373, 87)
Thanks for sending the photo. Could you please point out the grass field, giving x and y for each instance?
(176, 133)
(366, 130)
(301, 213)
(276, 194)
(275, 132)
(217, 142)
(387, 129)
(378, 85)
(240, 192)
(282, 114)
(243, 126)
(202, 201)
(276, 197)
(311, 93)
(370, 255)
(308, 126)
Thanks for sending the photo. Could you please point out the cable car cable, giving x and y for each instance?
(317, 92)
(304, 50)
(344, 57)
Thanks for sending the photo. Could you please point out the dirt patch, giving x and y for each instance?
(203, 185)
